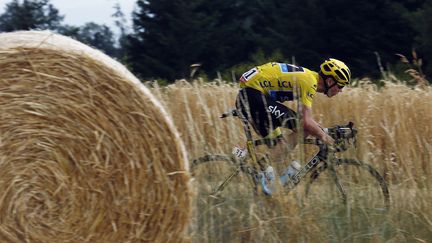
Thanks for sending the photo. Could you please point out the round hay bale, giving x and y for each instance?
(87, 154)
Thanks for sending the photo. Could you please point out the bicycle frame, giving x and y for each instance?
(320, 157)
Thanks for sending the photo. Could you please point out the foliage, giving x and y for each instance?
(42, 15)
(169, 36)
(220, 35)
(27, 15)
(98, 36)
(422, 21)
(120, 23)
(158, 42)
(227, 37)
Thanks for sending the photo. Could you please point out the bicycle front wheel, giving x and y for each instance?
(354, 183)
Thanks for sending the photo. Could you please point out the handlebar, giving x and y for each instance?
(343, 136)
(343, 131)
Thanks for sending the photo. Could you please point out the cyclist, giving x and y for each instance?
(265, 87)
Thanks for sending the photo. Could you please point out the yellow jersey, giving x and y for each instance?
(282, 82)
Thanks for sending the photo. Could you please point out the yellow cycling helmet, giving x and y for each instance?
(338, 70)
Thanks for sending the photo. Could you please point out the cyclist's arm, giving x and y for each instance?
(312, 127)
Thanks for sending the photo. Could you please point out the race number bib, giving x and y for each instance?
(249, 74)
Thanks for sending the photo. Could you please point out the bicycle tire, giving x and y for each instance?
(212, 216)
(340, 169)
(230, 161)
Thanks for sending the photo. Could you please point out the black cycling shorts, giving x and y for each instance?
(263, 113)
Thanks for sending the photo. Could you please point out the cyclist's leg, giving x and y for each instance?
(252, 104)
(283, 116)
(265, 114)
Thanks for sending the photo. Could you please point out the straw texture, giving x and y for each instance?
(87, 154)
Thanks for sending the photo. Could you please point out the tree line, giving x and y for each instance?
(227, 37)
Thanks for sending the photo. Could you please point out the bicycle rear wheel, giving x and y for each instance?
(216, 216)
(215, 172)
(354, 183)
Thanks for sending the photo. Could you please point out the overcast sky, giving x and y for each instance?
(79, 12)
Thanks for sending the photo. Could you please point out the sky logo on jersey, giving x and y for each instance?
(275, 111)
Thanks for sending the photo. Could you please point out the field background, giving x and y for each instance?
(395, 137)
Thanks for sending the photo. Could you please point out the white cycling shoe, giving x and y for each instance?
(268, 180)
(267, 177)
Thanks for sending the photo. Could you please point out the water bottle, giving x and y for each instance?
(290, 171)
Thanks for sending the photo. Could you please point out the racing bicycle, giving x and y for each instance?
(325, 174)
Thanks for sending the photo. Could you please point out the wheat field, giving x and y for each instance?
(394, 136)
